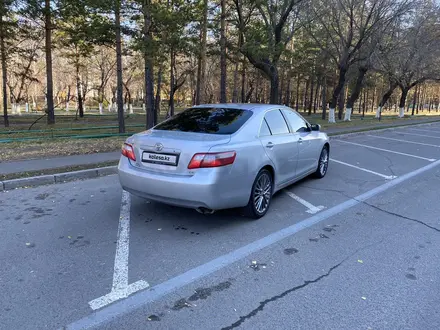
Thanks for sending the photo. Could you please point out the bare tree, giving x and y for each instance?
(411, 55)
(349, 25)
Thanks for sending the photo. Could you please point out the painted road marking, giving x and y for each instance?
(425, 130)
(312, 209)
(146, 297)
(386, 150)
(424, 135)
(121, 288)
(386, 177)
(399, 140)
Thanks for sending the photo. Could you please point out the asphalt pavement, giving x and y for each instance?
(358, 249)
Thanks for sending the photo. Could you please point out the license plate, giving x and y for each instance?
(164, 159)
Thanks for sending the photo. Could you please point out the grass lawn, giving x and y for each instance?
(57, 147)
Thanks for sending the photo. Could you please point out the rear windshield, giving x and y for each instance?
(206, 120)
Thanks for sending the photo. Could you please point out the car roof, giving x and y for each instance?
(255, 107)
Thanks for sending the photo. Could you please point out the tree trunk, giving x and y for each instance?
(4, 69)
(364, 108)
(79, 94)
(119, 91)
(373, 101)
(324, 98)
(281, 89)
(235, 84)
(223, 52)
(274, 85)
(243, 80)
(312, 87)
(316, 99)
(201, 68)
(298, 84)
(355, 93)
(385, 99)
(306, 93)
(68, 98)
(288, 92)
(341, 103)
(148, 66)
(172, 84)
(414, 101)
(48, 50)
(419, 100)
(336, 93)
(402, 101)
(158, 98)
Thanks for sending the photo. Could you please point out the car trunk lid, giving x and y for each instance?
(170, 152)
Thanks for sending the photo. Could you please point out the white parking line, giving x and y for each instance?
(386, 150)
(386, 177)
(121, 288)
(399, 140)
(425, 130)
(424, 135)
(312, 209)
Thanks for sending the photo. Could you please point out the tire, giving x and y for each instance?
(323, 161)
(259, 205)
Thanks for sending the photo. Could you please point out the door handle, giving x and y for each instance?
(269, 145)
(300, 140)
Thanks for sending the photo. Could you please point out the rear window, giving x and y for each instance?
(207, 120)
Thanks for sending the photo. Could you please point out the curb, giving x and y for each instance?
(57, 178)
(110, 170)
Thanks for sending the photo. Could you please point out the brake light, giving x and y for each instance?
(217, 159)
(127, 151)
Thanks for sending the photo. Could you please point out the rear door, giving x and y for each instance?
(307, 142)
(280, 146)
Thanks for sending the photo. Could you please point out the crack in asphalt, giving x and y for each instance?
(388, 158)
(306, 283)
(282, 295)
(400, 216)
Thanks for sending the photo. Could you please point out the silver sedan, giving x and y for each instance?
(221, 156)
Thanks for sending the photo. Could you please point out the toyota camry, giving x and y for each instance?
(220, 156)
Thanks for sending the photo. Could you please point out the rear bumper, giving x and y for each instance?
(207, 188)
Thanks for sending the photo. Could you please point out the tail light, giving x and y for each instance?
(127, 151)
(217, 159)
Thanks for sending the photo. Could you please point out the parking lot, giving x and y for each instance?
(85, 253)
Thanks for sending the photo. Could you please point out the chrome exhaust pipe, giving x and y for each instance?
(204, 210)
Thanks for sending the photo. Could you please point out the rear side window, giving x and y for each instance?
(207, 120)
(276, 122)
(264, 131)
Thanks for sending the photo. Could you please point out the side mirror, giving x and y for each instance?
(315, 127)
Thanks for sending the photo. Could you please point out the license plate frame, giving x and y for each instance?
(160, 158)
